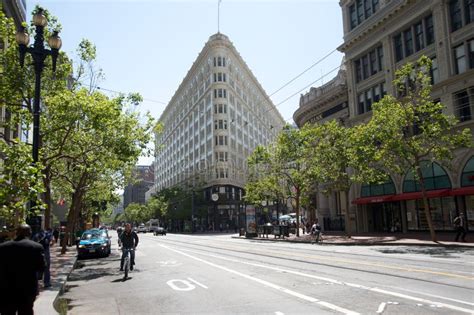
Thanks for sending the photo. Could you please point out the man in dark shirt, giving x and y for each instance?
(129, 240)
(21, 261)
(45, 238)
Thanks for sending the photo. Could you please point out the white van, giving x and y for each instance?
(153, 225)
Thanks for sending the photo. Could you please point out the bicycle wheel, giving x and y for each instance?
(126, 267)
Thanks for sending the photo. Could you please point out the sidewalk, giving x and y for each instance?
(401, 239)
(61, 267)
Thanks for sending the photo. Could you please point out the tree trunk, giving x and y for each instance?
(297, 199)
(348, 217)
(47, 198)
(425, 202)
(72, 219)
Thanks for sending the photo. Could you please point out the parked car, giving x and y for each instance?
(142, 228)
(159, 230)
(94, 242)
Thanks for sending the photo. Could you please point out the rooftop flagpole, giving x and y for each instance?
(218, 15)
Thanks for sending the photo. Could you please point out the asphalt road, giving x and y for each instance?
(216, 274)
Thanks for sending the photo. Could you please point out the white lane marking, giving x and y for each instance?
(279, 313)
(408, 297)
(268, 284)
(381, 307)
(439, 297)
(199, 284)
(187, 285)
(169, 263)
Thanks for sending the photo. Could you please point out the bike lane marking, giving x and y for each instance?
(358, 286)
(198, 283)
(268, 284)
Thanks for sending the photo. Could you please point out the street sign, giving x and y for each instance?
(215, 197)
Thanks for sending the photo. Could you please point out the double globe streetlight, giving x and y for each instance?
(39, 54)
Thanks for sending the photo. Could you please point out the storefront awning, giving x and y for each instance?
(372, 199)
(418, 194)
(469, 190)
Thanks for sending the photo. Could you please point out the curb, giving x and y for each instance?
(63, 287)
(364, 244)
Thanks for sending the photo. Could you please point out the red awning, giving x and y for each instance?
(418, 195)
(462, 191)
(372, 199)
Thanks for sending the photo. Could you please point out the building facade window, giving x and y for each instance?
(461, 13)
(387, 188)
(460, 59)
(467, 177)
(417, 37)
(360, 10)
(368, 97)
(463, 104)
(220, 93)
(368, 64)
(408, 42)
(434, 176)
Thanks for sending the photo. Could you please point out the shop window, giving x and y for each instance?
(434, 176)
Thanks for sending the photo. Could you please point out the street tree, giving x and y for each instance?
(284, 166)
(263, 182)
(327, 154)
(104, 144)
(410, 130)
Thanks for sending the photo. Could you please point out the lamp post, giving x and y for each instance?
(39, 54)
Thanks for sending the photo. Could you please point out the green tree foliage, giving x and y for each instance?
(17, 182)
(412, 128)
(280, 170)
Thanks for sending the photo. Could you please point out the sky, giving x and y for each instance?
(148, 46)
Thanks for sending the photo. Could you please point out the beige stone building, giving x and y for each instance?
(379, 37)
(215, 119)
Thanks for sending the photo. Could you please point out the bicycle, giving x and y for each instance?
(126, 262)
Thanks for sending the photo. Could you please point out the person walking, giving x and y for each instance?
(315, 232)
(21, 261)
(459, 227)
(56, 235)
(45, 238)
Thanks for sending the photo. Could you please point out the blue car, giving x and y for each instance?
(94, 242)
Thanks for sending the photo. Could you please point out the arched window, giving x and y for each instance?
(435, 177)
(467, 177)
(387, 188)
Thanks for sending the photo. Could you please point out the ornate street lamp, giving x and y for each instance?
(39, 54)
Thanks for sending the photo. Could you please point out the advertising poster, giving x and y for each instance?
(250, 220)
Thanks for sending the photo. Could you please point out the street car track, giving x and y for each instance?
(315, 260)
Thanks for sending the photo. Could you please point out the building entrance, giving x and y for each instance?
(384, 217)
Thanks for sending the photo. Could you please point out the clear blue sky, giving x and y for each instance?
(148, 46)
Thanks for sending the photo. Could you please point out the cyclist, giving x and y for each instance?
(129, 240)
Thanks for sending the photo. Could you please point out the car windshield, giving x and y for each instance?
(94, 235)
